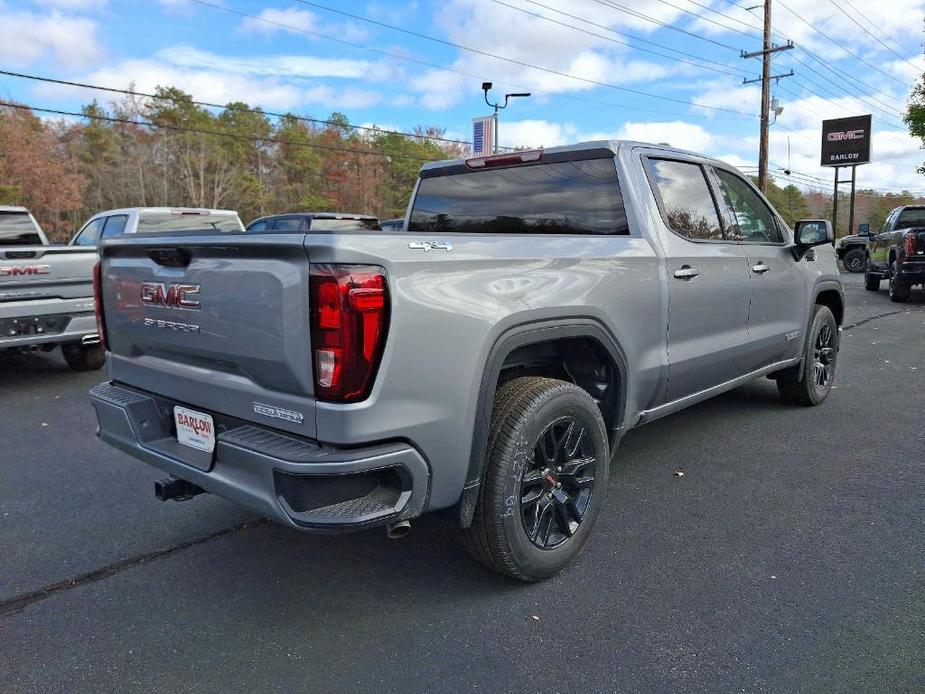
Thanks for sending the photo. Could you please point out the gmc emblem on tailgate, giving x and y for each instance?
(22, 270)
(171, 295)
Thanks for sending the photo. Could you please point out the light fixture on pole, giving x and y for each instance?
(497, 106)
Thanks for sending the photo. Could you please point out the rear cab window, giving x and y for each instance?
(18, 229)
(911, 217)
(151, 222)
(580, 196)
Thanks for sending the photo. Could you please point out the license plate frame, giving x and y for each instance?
(194, 429)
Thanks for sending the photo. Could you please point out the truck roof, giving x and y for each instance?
(129, 210)
(613, 145)
(13, 208)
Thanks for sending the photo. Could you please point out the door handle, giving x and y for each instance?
(686, 272)
(761, 268)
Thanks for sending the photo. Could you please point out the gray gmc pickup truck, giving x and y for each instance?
(46, 293)
(487, 358)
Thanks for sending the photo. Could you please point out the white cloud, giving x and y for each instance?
(29, 37)
(296, 66)
(526, 41)
(218, 86)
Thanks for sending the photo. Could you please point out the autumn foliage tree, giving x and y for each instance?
(35, 170)
(170, 151)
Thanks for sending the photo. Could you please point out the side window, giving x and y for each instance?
(287, 224)
(689, 208)
(90, 234)
(258, 226)
(755, 223)
(114, 226)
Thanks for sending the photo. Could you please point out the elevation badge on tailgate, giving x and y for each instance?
(278, 413)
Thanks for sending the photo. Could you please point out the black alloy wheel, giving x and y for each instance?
(557, 485)
(824, 354)
(854, 260)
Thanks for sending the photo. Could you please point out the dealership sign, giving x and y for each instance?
(846, 141)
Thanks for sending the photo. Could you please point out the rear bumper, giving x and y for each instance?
(911, 273)
(298, 482)
(47, 329)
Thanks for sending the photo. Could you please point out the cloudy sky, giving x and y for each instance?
(653, 70)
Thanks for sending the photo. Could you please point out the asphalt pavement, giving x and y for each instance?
(788, 557)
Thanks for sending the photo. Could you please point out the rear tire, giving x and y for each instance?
(854, 260)
(899, 293)
(544, 432)
(83, 357)
(871, 282)
(819, 357)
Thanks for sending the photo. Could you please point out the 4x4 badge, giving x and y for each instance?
(431, 245)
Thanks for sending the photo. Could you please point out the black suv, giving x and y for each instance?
(313, 221)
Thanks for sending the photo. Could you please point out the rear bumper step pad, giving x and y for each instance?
(298, 482)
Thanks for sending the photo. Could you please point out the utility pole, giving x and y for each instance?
(767, 50)
(765, 100)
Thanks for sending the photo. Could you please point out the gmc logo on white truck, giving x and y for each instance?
(171, 295)
(24, 270)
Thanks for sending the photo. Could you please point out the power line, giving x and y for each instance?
(841, 74)
(513, 61)
(667, 25)
(707, 19)
(864, 29)
(837, 43)
(206, 104)
(204, 131)
(445, 68)
(619, 33)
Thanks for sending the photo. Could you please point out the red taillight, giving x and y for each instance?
(349, 319)
(98, 304)
(910, 243)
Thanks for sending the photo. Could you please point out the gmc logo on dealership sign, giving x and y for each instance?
(171, 295)
(848, 135)
(24, 270)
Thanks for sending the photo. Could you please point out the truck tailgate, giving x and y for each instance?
(45, 272)
(215, 322)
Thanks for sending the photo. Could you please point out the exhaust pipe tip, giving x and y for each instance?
(397, 529)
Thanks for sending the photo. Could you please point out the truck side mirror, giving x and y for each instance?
(811, 232)
(863, 229)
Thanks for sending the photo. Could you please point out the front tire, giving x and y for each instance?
(545, 479)
(819, 357)
(871, 282)
(83, 357)
(854, 260)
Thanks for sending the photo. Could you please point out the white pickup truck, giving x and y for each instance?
(46, 293)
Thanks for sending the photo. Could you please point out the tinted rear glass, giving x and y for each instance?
(370, 224)
(912, 217)
(17, 229)
(160, 222)
(574, 197)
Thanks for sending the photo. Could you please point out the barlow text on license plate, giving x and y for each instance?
(194, 429)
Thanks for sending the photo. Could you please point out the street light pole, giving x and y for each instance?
(497, 106)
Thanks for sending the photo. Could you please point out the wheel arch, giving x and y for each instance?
(522, 344)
